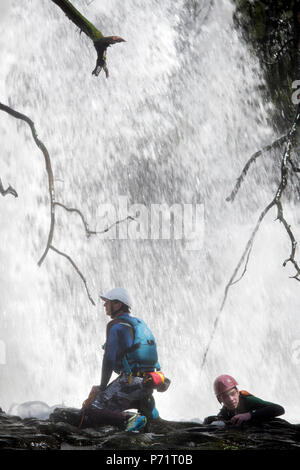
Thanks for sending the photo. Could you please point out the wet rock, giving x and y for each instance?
(17, 434)
(67, 415)
(61, 431)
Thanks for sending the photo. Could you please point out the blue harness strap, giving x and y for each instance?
(126, 366)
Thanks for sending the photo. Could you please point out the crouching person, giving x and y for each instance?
(130, 351)
(240, 406)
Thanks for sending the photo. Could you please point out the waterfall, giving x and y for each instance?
(176, 121)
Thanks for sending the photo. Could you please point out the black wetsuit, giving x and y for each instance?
(260, 410)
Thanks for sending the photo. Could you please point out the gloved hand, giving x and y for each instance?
(237, 420)
(94, 390)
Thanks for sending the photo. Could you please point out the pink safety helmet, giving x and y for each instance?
(224, 383)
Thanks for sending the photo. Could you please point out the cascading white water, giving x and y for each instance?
(175, 123)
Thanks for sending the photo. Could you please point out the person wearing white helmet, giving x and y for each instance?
(120, 295)
(130, 351)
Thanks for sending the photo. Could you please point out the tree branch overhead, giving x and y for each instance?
(101, 42)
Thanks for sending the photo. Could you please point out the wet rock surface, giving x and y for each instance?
(60, 431)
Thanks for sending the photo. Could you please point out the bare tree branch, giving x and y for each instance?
(76, 269)
(293, 241)
(286, 158)
(87, 230)
(251, 160)
(42, 147)
(276, 201)
(101, 42)
(53, 203)
(8, 190)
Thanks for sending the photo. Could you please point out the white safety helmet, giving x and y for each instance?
(118, 293)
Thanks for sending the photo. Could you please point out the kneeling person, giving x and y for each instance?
(130, 351)
(241, 406)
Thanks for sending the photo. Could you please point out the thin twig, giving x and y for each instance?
(292, 238)
(247, 249)
(129, 217)
(245, 267)
(252, 159)
(8, 190)
(76, 269)
(87, 230)
(77, 211)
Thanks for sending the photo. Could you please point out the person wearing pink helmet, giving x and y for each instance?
(241, 406)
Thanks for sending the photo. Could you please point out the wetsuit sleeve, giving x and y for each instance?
(118, 340)
(107, 370)
(109, 357)
(263, 410)
(223, 414)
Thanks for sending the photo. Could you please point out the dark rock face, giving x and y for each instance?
(270, 28)
(61, 431)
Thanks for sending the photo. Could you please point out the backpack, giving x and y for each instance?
(142, 355)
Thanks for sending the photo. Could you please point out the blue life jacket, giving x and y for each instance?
(142, 355)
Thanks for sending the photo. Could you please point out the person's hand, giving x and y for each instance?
(94, 390)
(239, 419)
